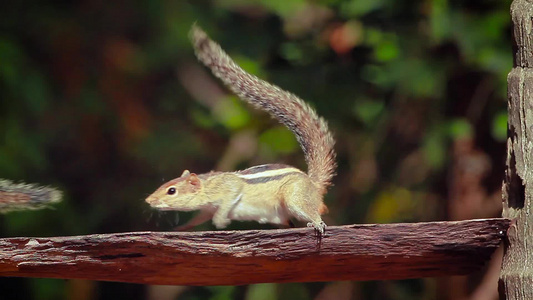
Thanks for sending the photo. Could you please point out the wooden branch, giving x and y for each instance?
(354, 252)
(516, 277)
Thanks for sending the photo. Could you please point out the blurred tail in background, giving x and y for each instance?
(21, 196)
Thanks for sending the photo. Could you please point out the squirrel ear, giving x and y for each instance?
(194, 180)
(185, 173)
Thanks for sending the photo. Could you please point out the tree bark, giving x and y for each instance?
(353, 252)
(516, 278)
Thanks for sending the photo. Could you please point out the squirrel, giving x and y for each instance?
(271, 193)
(21, 196)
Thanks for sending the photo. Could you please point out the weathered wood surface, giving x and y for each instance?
(516, 277)
(353, 252)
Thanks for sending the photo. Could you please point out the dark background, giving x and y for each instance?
(105, 101)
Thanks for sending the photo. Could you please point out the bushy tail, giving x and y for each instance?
(311, 130)
(21, 196)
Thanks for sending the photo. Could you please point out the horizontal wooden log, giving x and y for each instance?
(353, 252)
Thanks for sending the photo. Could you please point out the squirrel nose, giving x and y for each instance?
(152, 200)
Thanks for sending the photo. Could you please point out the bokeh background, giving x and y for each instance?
(105, 101)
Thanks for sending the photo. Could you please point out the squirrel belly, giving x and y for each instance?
(268, 193)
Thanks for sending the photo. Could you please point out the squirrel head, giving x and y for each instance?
(177, 194)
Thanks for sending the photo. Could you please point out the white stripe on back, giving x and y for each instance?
(269, 173)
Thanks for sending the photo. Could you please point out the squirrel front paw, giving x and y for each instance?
(319, 226)
(221, 222)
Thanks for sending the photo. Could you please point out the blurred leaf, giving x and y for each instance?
(460, 128)
(11, 61)
(8, 165)
(279, 140)
(291, 52)
(376, 74)
(385, 44)
(495, 60)
(434, 148)
(355, 8)
(373, 36)
(35, 92)
(202, 118)
(293, 291)
(22, 147)
(385, 51)
(422, 80)
(368, 111)
(48, 289)
(222, 292)
(283, 7)
(18, 222)
(392, 205)
(412, 76)
(263, 291)
(440, 20)
(280, 7)
(91, 101)
(474, 34)
(168, 148)
(499, 126)
(231, 113)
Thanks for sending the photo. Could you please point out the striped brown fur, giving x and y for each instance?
(266, 179)
(311, 130)
(262, 168)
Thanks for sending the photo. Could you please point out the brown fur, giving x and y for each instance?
(268, 193)
(311, 130)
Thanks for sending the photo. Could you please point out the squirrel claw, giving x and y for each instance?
(319, 227)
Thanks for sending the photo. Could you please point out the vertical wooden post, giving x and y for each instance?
(516, 278)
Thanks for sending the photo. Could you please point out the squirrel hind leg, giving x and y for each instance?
(304, 202)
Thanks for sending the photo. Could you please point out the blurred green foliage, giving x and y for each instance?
(105, 100)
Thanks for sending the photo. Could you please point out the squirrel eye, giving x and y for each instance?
(171, 191)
